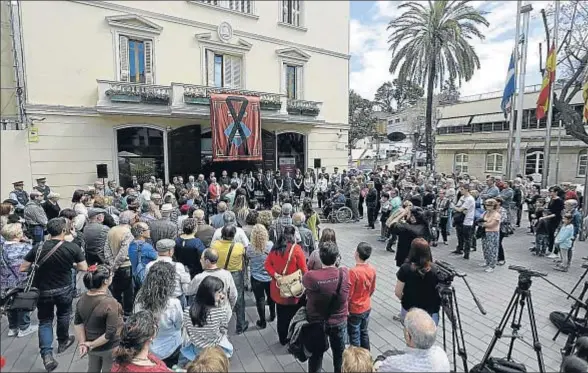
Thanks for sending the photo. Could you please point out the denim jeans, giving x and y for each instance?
(50, 300)
(357, 328)
(464, 238)
(240, 305)
(18, 320)
(337, 337)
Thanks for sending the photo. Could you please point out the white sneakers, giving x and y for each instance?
(23, 333)
(552, 256)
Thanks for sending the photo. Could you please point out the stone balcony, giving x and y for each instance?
(193, 101)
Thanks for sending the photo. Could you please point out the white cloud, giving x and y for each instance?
(369, 48)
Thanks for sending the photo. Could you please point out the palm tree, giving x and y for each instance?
(431, 41)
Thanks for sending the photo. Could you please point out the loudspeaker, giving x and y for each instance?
(102, 171)
(317, 163)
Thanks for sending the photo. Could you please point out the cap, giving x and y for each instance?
(184, 209)
(18, 183)
(42, 179)
(166, 207)
(165, 245)
(95, 211)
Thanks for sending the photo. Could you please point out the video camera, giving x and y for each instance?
(526, 271)
(446, 272)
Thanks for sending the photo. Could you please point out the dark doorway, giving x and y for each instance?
(184, 151)
(140, 153)
(291, 151)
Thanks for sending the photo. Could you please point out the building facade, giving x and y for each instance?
(472, 137)
(127, 84)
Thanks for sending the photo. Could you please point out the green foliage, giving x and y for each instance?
(406, 93)
(449, 93)
(362, 123)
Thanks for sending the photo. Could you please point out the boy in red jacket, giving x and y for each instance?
(362, 279)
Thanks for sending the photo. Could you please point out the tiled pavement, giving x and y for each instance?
(259, 350)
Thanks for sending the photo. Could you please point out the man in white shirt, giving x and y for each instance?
(421, 354)
(465, 230)
(165, 252)
(230, 218)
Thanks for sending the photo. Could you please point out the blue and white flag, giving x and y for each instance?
(509, 88)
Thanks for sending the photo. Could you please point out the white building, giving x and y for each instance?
(126, 84)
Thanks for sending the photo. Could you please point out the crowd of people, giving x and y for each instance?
(165, 268)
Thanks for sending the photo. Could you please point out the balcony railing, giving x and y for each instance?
(192, 100)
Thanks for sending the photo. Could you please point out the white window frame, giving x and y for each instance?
(461, 163)
(224, 54)
(301, 18)
(225, 6)
(497, 161)
(148, 32)
(299, 79)
(582, 158)
(293, 57)
(538, 160)
(239, 49)
(144, 39)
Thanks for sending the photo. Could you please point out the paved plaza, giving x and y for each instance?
(259, 350)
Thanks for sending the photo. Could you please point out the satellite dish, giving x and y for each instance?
(396, 136)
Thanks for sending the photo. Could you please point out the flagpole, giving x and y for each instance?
(513, 98)
(525, 10)
(557, 153)
(547, 149)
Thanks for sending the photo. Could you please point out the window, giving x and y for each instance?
(461, 163)
(583, 163)
(223, 70)
(243, 6)
(534, 163)
(136, 60)
(292, 81)
(291, 12)
(494, 162)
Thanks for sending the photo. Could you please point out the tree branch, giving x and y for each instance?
(546, 27)
(572, 120)
(573, 78)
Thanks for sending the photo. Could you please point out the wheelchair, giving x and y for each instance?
(338, 212)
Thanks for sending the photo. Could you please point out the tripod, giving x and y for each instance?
(573, 315)
(450, 308)
(580, 279)
(516, 306)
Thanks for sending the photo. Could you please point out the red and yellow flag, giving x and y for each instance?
(548, 78)
(585, 94)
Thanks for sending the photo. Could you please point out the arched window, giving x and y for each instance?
(583, 163)
(534, 162)
(494, 162)
(461, 162)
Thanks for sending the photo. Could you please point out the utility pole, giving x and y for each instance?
(525, 11)
(513, 99)
(547, 149)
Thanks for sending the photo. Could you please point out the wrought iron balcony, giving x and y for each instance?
(132, 98)
(302, 107)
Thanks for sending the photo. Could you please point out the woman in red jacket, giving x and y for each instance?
(275, 263)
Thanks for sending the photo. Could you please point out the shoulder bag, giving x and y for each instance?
(25, 299)
(229, 256)
(290, 285)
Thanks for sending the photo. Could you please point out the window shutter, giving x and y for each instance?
(299, 83)
(124, 58)
(285, 9)
(284, 85)
(228, 71)
(237, 63)
(148, 45)
(296, 12)
(209, 68)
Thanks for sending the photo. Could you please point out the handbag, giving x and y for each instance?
(506, 229)
(458, 218)
(290, 285)
(25, 299)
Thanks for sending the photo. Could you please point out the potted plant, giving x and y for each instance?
(196, 97)
(310, 111)
(154, 97)
(119, 95)
(267, 104)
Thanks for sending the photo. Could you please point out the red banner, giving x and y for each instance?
(236, 128)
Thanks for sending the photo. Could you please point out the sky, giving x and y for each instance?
(370, 57)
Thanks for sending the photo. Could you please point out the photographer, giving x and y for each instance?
(416, 226)
(417, 281)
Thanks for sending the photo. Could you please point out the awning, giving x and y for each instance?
(488, 118)
(453, 122)
(451, 146)
(490, 146)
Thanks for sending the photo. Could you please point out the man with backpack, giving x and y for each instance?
(141, 253)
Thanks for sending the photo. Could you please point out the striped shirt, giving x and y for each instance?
(209, 335)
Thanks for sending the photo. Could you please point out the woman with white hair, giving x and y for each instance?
(51, 206)
(12, 256)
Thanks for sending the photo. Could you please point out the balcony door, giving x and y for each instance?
(184, 151)
(140, 153)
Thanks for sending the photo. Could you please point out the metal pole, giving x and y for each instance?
(513, 99)
(547, 149)
(525, 10)
(557, 153)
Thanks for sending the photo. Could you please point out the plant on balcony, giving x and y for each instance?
(267, 104)
(154, 97)
(121, 95)
(310, 111)
(299, 109)
(196, 97)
